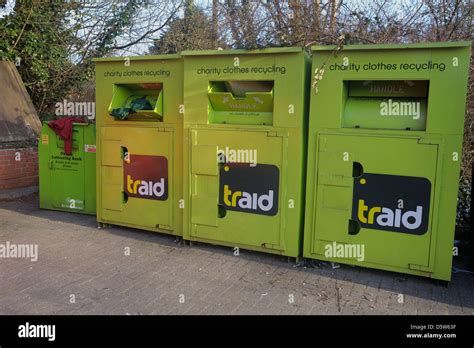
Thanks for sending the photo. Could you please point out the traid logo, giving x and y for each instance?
(392, 203)
(249, 188)
(145, 176)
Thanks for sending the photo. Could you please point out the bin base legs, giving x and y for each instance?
(180, 241)
(295, 260)
(187, 242)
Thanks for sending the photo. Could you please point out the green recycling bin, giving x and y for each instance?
(244, 148)
(67, 182)
(139, 112)
(384, 152)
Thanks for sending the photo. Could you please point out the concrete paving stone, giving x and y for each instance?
(318, 309)
(350, 307)
(228, 307)
(77, 258)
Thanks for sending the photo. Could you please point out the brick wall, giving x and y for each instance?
(18, 168)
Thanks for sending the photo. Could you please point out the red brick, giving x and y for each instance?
(15, 174)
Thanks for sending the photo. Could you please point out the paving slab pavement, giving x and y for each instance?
(84, 270)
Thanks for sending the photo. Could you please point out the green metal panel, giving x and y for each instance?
(364, 112)
(402, 47)
(335, 186)
(238, 102)
(382, 184)
(239, 52)
(68, 182)
(155, 58)
(118, 181)
(139, 163)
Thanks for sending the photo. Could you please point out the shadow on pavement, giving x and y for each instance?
(460, 291)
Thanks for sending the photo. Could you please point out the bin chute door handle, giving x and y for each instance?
(357, 170)
(50, 164)
(124, 197)
(353, 226)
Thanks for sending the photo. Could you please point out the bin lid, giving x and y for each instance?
(136, 58)
(271, 50)
(395, 46)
